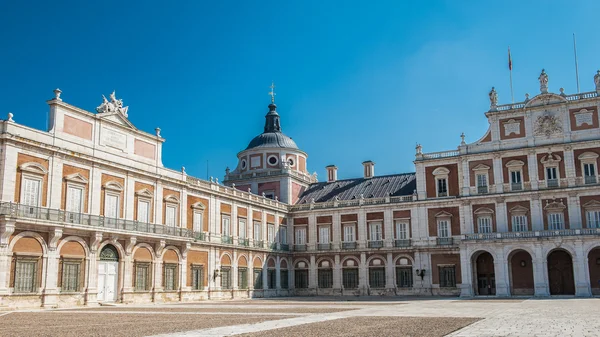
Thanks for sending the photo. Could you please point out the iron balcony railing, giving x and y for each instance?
(402, 243)
(552, 183)
(516, 186)
(200, 236)
(285, 247)
(444, 241)
(482, 189)
(349, 245)
(533, 234)
(375, 243)
(299, 248)
(243, 242)
(324, 246)
(273, 245)
(590, 180)
(259, 244)
(227, 239)
(98, 221)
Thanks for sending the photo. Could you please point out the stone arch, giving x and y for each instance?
(520, 272)
(510, 249)
(271, 262)
(373, 257)
(411, 261)
(322, 259)
(484, 273)
(225, 259)
(376, 273)
(344, 261)
(171, 248)
(257, 263)
(75, 239)
(298, 261)
(242, 261)
(566, 247)
(115, 244)
(144, 245)
(283, 263)
(36, 236)
(561, 275)
(593, 258)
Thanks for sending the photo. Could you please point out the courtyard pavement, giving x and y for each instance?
(309, 317)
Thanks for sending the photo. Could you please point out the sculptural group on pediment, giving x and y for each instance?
(114, 105)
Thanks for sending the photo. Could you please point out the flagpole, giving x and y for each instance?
(512, 96)
(576, 66)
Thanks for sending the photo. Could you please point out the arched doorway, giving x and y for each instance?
(594, 266)
(521, 273)
(484, 273)
(108, 274)
(560, 273)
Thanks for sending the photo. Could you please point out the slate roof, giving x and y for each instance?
(272, 139)
(349, 189)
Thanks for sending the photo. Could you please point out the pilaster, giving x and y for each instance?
(532, 165)
(540, 272)
(466, 286)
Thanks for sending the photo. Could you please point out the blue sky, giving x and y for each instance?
(356, 80)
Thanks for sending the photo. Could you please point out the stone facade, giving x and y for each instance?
(89, 214)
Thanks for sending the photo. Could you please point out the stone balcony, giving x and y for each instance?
(530, 234)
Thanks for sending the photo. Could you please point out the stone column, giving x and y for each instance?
(337, 231)
(540, 272)
(278, 274)
(466, 270)
(7, 228)
(55, 183)
(95, 186)
(250, 271)
(498, 179)
(264, 274)
(466, 177)
(362, 274)
(501, 272)
(466, 226)
(501, 217)
(580, 271)
(532, 165)
(574, 206)
(362, 228)
(129, 197)
(337, 275)
(234, 271)
(537, 215)
(388, 231)
(312, 273)
(389, 273)
(92, 270)
(311, 236)
(570, 166)
(183, 207)
(50, 285)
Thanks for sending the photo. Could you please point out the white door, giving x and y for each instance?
(107, 281)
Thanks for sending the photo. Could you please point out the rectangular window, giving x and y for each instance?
(443, 229)
(284, 278)
(225, 278)
(589, 173)
(556, 221)
(350, 278)
(143, 210)
(519, 223)
(375, 231)
(271, 278)
(482, 185)
(283, 235)
(447, 277)
(197, 277)
(404, 277)
(551, 177)
(70, 276)
(257, 231)
(484, 224)
(26, 276)
(258, 281)
(242, 228)
(325, 277)
(324, 234)
(593, 219)
(142, 276)
(271, 232)
(197, 221)
(300, 236)
(349, 235)
(170, 216)
(74, 199)
(377, 277)
(243, 278)
(516, 184)
(442, 187)
(31, 192)
(301, 278)
(170, 276)
(401, 230)
(111, 206)
(226, 226)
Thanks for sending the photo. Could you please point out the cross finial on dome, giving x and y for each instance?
(272, 92)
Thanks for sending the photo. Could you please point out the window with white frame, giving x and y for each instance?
(31, 183)
(515, 174)
(484, 224)
(375, 231)
(271, 232)
(111, 205)
(519, 223)
(170, 276)
(555, 214)
(70, 275)
(588, 167)
(242, 228)
(300, 236)
(349, 232)
(143, 210)
(592, 214)
(74, 202)
(551, 162)
(324, 234)
(441, 181)
(170, 215)
(401, 230)
(443, 228)
(481, 178)
(26, 275)
(142, 276)
(257, 231)
(197, 221)
(283, 235)
(226, 225)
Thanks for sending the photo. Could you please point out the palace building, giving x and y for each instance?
(89, 214)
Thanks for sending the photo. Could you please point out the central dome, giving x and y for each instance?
(272, 139)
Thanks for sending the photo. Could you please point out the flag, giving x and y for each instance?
(509, 60)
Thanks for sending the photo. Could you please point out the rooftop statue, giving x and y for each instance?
(597, 80)
(114, 105)
(493, 98)
(543, 82)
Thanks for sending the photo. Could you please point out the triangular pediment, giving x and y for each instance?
(592, 204)
(519, 210)
(144, 193)
(484, 211)
(118, 119)
(198, 206)
(76, 178)
(443, 214)
(481, 167)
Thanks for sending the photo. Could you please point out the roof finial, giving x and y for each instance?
(272, 92)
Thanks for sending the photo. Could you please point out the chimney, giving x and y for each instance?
(331, 173)
(369, 169)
